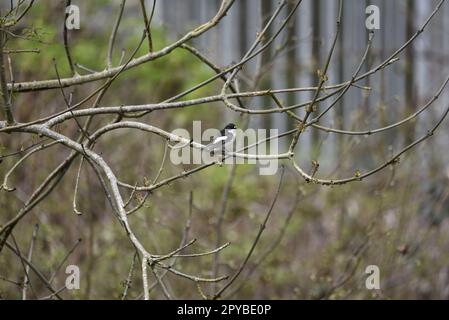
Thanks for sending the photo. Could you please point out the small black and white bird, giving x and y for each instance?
(224, 141)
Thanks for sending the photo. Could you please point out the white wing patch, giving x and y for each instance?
(219, 139)
(227, 140)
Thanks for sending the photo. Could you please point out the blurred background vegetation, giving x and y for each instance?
(318, 241)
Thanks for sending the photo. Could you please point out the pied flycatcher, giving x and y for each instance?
(224, 141)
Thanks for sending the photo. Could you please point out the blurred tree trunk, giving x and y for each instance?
(243, 27)
(339, 112)
(291, 66)
(339, 119)
(383, 140)
(368, 65)
(266, 83)
(316, 54)
(410, 92)
(436, 164)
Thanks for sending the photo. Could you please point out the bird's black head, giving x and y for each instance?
(230, 126)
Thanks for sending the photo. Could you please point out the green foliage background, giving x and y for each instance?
(333, 234)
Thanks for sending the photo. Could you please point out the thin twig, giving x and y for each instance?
(27, 267)
(114, 34)
(130, 276)
(33, 268)
(55, 272)
(147, 22)
(66, 43)
(253, 246)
